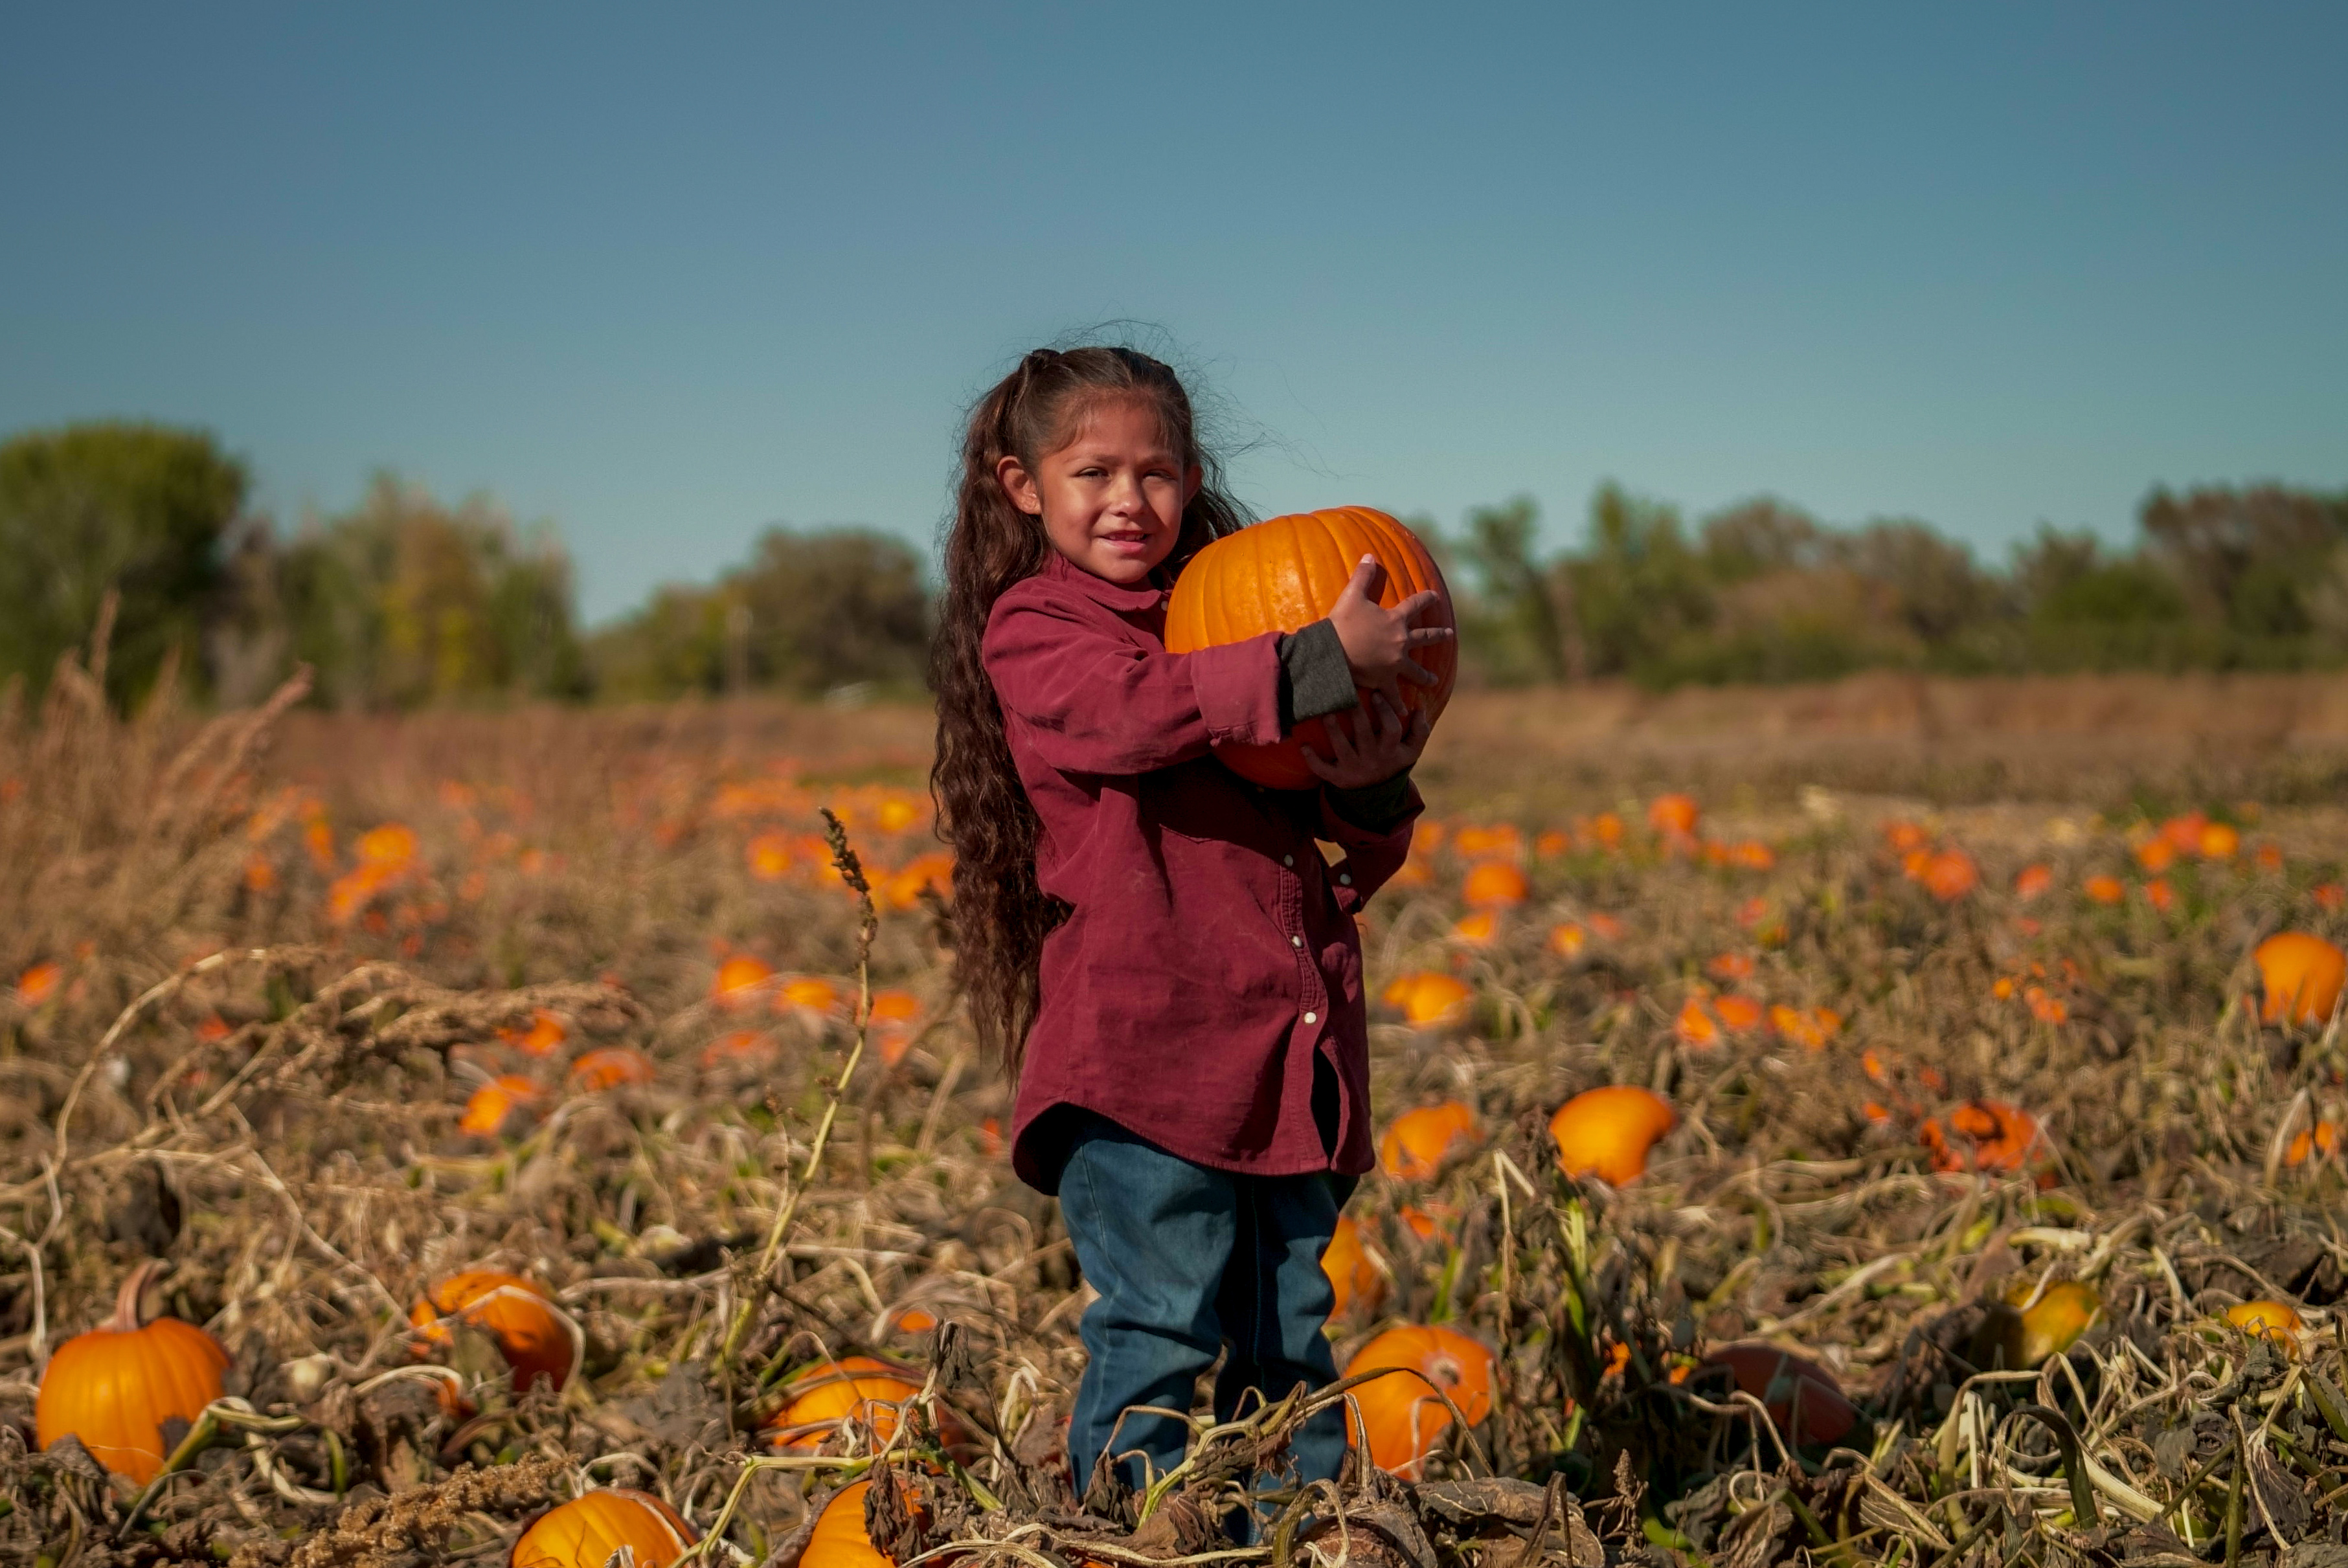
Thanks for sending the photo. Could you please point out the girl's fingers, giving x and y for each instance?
(1419, 675)
(1427, 636)
(1407, 608)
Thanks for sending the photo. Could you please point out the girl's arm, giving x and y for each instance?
(1096, 703)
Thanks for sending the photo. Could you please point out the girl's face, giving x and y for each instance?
(1112, 498)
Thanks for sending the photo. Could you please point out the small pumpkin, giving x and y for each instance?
(1805, 1403)
(1283, 575)
(115, 1386)
(2276, 1321)
(1607, 1133)
(2027, 1337)
(1981, 1135)
(538, 1339)
(2301, 975)
(1495, 885)
(586, 1531)
(1352, 1275)
(487, 1107)
(1401, 1416)
(1675, 815)
(1417, 1141)
(609, 1067)
(1428, 997)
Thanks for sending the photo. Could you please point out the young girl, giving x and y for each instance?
(1155, 946)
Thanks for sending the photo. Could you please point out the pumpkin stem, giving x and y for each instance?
(126, 1300)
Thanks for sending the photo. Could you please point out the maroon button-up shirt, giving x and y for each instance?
(1210, 953)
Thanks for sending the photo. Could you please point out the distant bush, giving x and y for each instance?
(809, 613)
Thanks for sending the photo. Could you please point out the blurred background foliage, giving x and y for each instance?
(406, 600)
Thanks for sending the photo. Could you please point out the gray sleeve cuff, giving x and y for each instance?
(1315, 679)
(1375, 808)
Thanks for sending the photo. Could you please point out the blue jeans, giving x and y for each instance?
(1188, 1261)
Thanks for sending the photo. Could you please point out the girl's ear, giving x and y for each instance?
(1019, 486)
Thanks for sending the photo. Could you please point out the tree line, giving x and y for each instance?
(405, 601)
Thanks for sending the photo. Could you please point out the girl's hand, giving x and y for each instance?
(1379, 743)
(1378, 641)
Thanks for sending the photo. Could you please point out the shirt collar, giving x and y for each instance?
(1150, 594)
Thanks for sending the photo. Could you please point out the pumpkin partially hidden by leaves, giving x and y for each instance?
(1401, 1415)
(1805, 1403)
(537, 1338)
(1350, 1273)
(2021, 1339)
(1606, 1133)
(114, 1386)
(586, 1531)
(839, 1540)
(1284, 574)
(1417, 1141)
(2302, 976)
(2275, 1320)
(1981, 1135)
(861, 1388)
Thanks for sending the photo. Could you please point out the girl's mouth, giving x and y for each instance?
(1130, 544)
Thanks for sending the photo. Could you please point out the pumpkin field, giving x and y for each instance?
(1809, 1132)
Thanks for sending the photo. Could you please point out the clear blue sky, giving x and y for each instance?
(666, 274)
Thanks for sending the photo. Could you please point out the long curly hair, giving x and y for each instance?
(1001, 915)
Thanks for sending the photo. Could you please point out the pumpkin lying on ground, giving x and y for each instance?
(1607, 1133)
(1981, 1135)
(586, 1531)
(1401, 1416)
(537, 1338)
(1417, 1141)
(840, 1539)
(1805, 1403)
(1352, 1275)
(2021, 1339)
(860, 1388)
(2301, 976)
(1283, 575)
(114, 1386)
(2276, 1321)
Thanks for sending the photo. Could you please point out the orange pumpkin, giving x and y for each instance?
(739, 978)
(2302, 976)
(537, 1338)
(2104, 889)
(114, 1386)
(1417, 1141)
(586, 1531)
(2324, 1138)
(1427, 997)
(1607, 1133)
(1400, 1415)
(1805, 1403)
(1352, 1275)
(2052, 1323)
(838, 1539)
(489, 1106)
(610, 1066)
(1286, 573)
(1981, 1135)
(1495, 885)
(1675, 815)
(2275, 1320)
(861, 1388)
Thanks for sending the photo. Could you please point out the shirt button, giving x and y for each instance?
(1344, 879)
(1288, 860)
(1313, 1018)
(1296, 941)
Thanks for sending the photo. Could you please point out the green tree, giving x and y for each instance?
(805, 614)
(1522, 622)
(138, 509)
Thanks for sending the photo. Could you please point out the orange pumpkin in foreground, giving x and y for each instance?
(1400, 1415)
(537, 1338)
(586, 1531)
(1607, 1133)
(114, 1386)
(1283, 575)
(2276, 1321)
(838, 1539)
(2301, 975)
(1804, 1401)
(1416, 1143)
